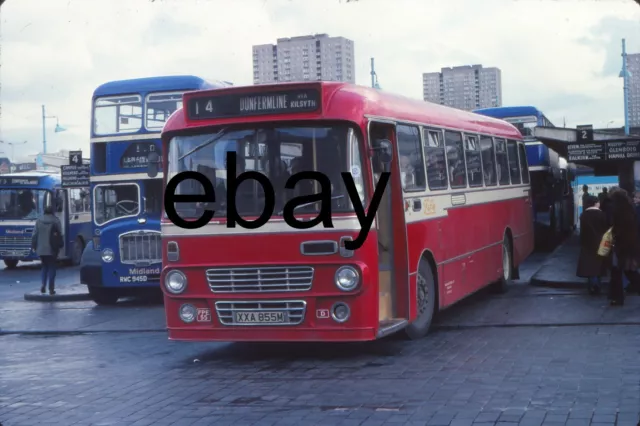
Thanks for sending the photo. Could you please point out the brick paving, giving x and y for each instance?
(528, 376)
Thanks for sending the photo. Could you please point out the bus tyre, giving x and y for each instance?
(426, 302)
(76, 253)
(507, 267)
(103, 296)
(10, 263)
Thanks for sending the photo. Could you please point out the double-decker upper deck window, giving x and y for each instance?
(514, 166)
(524, 167)
(159, 107)
(411, 162)
(455, 158)
(117, 114)
(436, 160)
(488, 160)
(503, 162)
(474, 163)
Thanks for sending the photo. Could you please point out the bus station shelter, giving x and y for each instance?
(607, 153)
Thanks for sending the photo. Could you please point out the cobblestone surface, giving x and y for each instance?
(490, 371)
(531, 376)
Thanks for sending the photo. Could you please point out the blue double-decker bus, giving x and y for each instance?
(23, 198)
(551, 175)
(124, 256)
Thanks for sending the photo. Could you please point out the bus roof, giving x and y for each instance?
(40, 173)
(155, 84)
(510, 111)
(345, 101)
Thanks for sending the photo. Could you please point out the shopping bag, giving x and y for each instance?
(606, 243)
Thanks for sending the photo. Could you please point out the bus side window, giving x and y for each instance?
(436, 161)
(78, 201)
(502, 162)
(455, 158)
(411, 161)
(514, 167)
(524, 167)
(474, 163)
(488, 161)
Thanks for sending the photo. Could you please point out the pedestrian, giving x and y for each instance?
(585, 195)
(47, 242)
(605, 204)
(626, 247)
(593, 225)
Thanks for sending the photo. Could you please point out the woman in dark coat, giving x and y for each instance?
(593, 225)
(626, 249)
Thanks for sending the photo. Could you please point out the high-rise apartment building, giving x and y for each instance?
(466, 87)
(633, 66)
(304, 58)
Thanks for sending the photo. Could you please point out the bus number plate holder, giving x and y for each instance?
(259, 317)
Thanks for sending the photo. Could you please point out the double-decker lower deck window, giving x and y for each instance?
(277, 152)
(114, 201)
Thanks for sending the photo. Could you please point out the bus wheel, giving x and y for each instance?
(102, 296)
(76, 253)
(426, 301)
(10, 263)
(507, 267)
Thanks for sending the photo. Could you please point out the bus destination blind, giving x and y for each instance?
(74, 176)
(252, 104)
(19, 181)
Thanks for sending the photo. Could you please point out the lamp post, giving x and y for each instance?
(374, 76)
(625, 74)
(12, 145)
(58, 129)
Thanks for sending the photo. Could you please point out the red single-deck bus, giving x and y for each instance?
(454, 217)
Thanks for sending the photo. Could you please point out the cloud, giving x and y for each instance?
(560, 56)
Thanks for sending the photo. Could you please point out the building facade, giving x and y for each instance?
(304, 58)
(633, 66)
(465, 87)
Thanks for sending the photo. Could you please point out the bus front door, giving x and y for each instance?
(393, 275)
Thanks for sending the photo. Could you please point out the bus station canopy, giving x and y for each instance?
(599, 150)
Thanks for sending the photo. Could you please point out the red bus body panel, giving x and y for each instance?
(464, 240)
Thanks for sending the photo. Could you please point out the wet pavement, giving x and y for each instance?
(533, 357)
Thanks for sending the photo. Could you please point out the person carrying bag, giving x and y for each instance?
(47, 241)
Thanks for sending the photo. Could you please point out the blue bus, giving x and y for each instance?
(23, 197)
(124, 256)
(551, 175)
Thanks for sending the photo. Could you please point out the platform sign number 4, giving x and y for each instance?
(75, 158)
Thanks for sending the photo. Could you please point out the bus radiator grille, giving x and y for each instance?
(260, 279)
(141, 247)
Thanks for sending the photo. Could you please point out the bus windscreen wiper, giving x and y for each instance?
(208, 142)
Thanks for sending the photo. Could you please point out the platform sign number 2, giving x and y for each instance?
(75, 158)
(585, 133)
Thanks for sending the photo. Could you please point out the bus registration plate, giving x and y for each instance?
(261, 317)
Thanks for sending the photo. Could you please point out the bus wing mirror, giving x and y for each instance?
(153, 164)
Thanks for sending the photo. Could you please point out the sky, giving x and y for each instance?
(562, 56)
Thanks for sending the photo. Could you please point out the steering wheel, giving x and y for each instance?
(134, 204)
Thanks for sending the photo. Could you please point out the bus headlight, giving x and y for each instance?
(175, 282)
(107, 255)
(347, 278)
(187, 313)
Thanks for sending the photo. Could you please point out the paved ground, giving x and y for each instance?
(508, 360)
